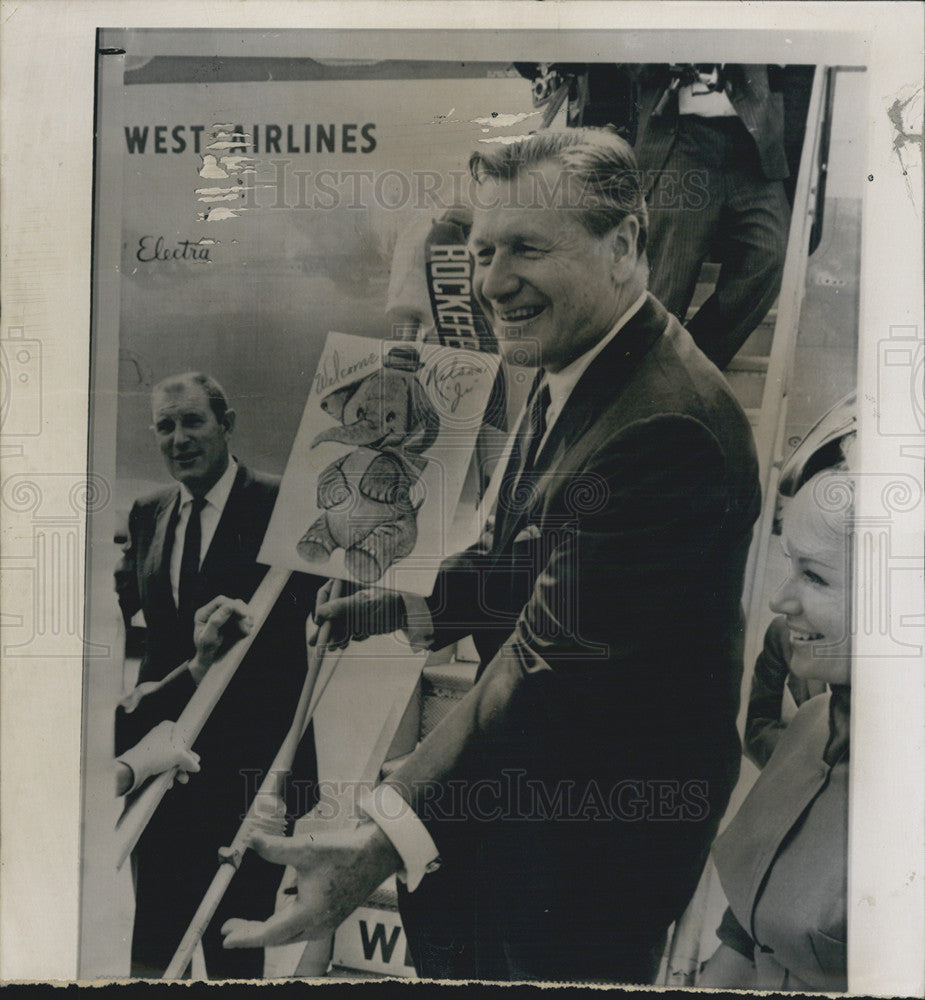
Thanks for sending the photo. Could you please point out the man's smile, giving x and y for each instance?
(522, 314)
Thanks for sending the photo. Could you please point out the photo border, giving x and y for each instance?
(46, 205)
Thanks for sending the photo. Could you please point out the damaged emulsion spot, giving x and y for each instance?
(227, 137)
(505, 140)
(498, 120)
(218, 194)
(216, 166)
(219, 214)
(905, 114)
(211, 169)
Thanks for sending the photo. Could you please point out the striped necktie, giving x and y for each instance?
(516, 492)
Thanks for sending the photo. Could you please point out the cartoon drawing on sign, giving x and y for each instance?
(372, 488)
(370, 496)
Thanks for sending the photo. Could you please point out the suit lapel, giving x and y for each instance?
(231, 526)
(746, 98)
(603, 382)
(656, 133)
(157, 569)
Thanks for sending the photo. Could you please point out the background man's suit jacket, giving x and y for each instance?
(760, 108)
(177, 853)
(595, 756)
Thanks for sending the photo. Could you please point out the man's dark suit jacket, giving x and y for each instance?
(574, 793)
(177, 854)
(760, 108)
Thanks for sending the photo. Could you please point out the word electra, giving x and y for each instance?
(156, 248)
(333, 138)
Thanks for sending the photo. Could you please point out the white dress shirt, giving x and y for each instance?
(562, 383)
(209, 517)
(384, 805)
(692, 100)
(713, 105)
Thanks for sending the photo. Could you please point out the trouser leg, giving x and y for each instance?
(751, 244)
(684, 207)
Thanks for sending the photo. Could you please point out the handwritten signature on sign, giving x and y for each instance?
(452, 379)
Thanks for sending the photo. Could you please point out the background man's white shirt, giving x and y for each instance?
(211, 514)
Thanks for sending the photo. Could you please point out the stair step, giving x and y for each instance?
(748, 363)
(453, 676)
(759, 340)
(702, 292)
(442, 687)
(405, 738)
(385, 897)
(747, 387)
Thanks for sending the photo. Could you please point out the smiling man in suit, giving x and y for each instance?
(190, 543)
(557, 820)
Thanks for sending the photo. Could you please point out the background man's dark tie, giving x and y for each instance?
(189, 568)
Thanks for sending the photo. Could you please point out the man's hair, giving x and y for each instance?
(218, 401)
(598, 159)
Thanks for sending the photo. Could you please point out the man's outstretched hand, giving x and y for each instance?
(217, 626)
(362, 614)
(336, 870)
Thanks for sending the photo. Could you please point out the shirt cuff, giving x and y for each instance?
(131, 761)
(397, 820)
(133, 784)
(420, 628)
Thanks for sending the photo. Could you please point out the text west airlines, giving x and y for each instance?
(341, 137)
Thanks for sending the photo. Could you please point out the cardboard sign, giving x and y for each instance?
(378, 464)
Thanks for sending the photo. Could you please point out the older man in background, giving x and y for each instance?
(189, 543)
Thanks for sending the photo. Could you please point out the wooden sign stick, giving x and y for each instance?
(269, 791)
(194, 716)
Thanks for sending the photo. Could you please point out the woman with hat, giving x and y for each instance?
(782, 860)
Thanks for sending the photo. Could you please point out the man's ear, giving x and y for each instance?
(228, 422)
(624, 240)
